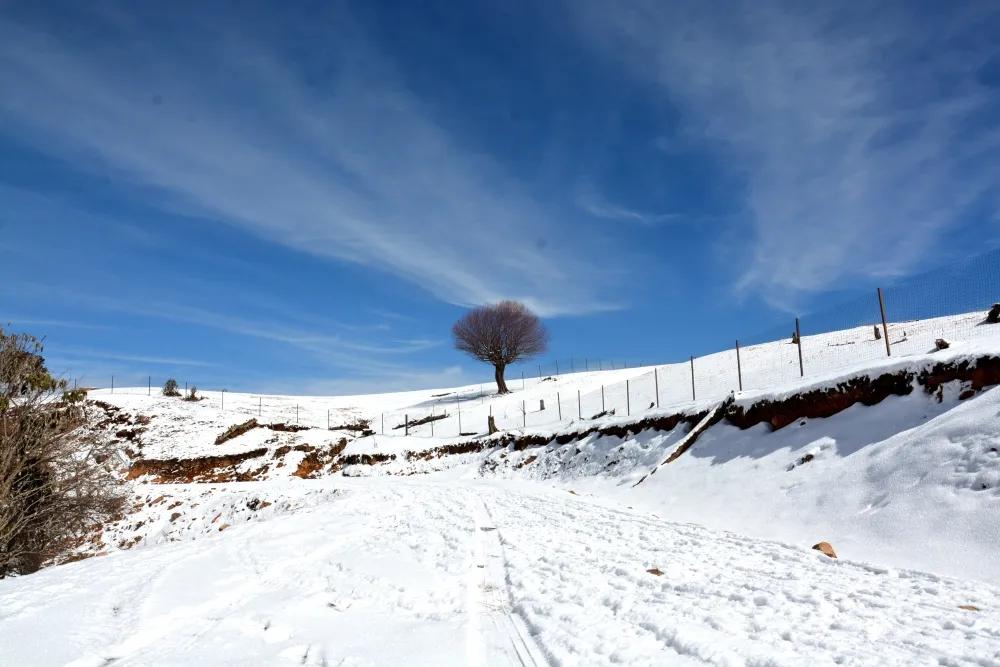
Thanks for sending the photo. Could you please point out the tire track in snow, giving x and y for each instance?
(497, 635)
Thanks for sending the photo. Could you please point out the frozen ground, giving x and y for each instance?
(460, 572)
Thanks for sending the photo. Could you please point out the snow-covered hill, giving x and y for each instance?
(556, 541)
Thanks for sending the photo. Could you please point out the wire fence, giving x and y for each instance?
(953, 304)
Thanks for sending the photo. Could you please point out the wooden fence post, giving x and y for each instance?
(656, 381)
(739, 368)
(628, 400)
(693, 395)
(579, 410)
(559, 403)
(885, 325)
(798, 339)
(602, 399)
(406, 424)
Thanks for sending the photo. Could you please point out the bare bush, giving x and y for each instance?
(500, 334)
(170, 388)
(53, 486)
(192, 394)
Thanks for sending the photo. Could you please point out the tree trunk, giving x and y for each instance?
(501, 383)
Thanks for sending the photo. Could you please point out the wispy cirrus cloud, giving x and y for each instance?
(598, 206)
(862, 134)
(344, 162)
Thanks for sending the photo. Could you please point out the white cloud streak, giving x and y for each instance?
(355, 169)
(863, 134)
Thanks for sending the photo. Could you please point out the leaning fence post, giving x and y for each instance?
(798, 339)
(739, 368)
(432, 421)
(693, 397)
(628, 400)
(656, 382)
(559, 403)
(885, 326)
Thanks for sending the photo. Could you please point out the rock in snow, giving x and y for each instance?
(826, 548)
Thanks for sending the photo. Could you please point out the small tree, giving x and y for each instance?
(170, 388)
(500, 334)
(192, 394)
(53, 486)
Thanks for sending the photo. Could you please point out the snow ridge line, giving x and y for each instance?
(714, 416)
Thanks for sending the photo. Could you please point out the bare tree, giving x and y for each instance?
(500, 334)
(54, 485)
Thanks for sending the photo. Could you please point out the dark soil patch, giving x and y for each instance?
(287, 428)
(201, 469)
(236, 431)
(423, 420)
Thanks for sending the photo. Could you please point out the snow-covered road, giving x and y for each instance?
(435, 572)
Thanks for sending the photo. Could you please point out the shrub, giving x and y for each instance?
(52, 487)
(170, 388)
(192, 394)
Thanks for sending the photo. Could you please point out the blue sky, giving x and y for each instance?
(304, 198)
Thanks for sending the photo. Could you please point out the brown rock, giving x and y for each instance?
(941, 344)
(655, 570)
(825, 548)
(968, 607)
